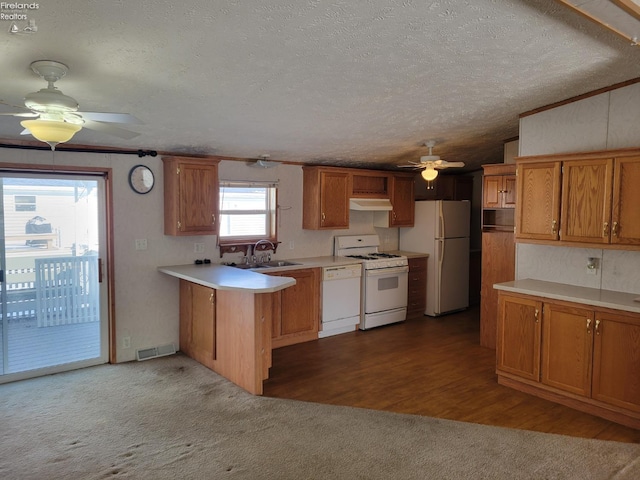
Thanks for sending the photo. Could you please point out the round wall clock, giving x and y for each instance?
(141, 179)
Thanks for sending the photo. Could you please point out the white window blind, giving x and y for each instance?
(247, 210)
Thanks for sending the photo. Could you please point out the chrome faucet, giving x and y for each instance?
(265, 257)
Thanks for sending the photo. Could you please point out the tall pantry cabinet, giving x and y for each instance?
(498, 242)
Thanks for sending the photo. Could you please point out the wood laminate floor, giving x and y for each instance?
(425, 366)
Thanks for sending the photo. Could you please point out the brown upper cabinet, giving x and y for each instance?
(327, 190)
(538, 207)
(499, 189)
(599, 198)
(402, 201)
(190, 196)
(325, 196)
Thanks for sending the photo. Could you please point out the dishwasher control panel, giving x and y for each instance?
(342, 271)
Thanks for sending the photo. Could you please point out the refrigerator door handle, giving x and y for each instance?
(438, 292)
(441, 214)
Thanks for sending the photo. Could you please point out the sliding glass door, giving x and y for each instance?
(52, 288)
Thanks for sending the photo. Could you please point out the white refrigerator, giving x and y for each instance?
(442, 230)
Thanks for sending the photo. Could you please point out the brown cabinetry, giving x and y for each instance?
(498, 265)
(296, 310)
(446, 187)
(538, 206)
(190, 196)
(584, 199)
(578, 355)
(198, 322)
(403, 202)
(498, 243)
(325, 198)
(519, 328)
(417, 296)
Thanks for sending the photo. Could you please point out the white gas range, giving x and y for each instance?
(384, 281)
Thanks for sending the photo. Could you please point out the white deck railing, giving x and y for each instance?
(66, 290)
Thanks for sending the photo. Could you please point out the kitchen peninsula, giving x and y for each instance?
(223, 320)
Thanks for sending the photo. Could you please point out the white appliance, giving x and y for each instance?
(441, 229)
(340, 299)
(384, 280)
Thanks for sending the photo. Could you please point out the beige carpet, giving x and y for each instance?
(172, 418)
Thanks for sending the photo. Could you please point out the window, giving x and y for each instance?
(247, 211)
(25, 203)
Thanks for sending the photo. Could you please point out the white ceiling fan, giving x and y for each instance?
(430, 164)
(56, 115)
(263, 162)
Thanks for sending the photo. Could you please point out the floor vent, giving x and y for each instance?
(153, 352)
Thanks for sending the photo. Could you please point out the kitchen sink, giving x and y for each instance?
(270, 264)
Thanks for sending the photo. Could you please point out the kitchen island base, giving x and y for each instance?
(228, 331)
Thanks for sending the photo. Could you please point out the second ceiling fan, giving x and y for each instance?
(430, 164)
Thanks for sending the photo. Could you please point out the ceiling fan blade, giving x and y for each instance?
(21, 114)
(453, 164)
(410, 166)
(110, 129)
(110, 117)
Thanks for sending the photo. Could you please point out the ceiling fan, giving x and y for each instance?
(57, 117)
(430, 164)
(263, 162)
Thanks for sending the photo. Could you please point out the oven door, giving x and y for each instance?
(385, 289)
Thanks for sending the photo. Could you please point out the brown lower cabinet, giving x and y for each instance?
(296, 310)
(417, 292)
(581, 356)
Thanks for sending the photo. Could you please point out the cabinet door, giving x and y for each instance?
(625, 229)
(538, 208)
(518, 340)
(616, 360)
(296, 310)
(509, 188)
(498, 265)
(567, 344)
(334, 200)
(198, 199)
(198, 322)
(586, 200)
(403, 202)
(492, 191)
(417, 291)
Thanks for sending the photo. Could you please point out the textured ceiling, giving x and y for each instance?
(341, 82)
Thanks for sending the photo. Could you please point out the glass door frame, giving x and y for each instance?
(106, 264)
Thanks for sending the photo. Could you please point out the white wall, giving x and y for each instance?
(147, 301)
(606, 121)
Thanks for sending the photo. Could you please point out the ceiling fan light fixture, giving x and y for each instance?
(429, 174)
(52, 132)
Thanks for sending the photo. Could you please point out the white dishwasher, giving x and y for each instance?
(341, 287)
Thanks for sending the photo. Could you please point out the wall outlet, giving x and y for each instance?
(141, 244)
(126, 342)
(292, 245)
(198, 248)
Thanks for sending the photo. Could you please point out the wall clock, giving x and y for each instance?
(141, 179)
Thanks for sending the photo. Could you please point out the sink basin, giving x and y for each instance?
(277, 263)
(271, 264)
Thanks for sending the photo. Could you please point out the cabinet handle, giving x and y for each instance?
(211, 298)
(597, 327)
(588, 325)
(535, 315)
(605, 229)
(179, 225)
(213, 219)
(553, 227)
(394, 215)
(614, 230)
(322, 217)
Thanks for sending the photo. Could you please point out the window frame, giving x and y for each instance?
(271, 212)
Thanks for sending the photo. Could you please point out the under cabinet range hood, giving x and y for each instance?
(370, 204)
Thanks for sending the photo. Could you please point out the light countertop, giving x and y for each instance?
(222, 277)
(570, 293)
